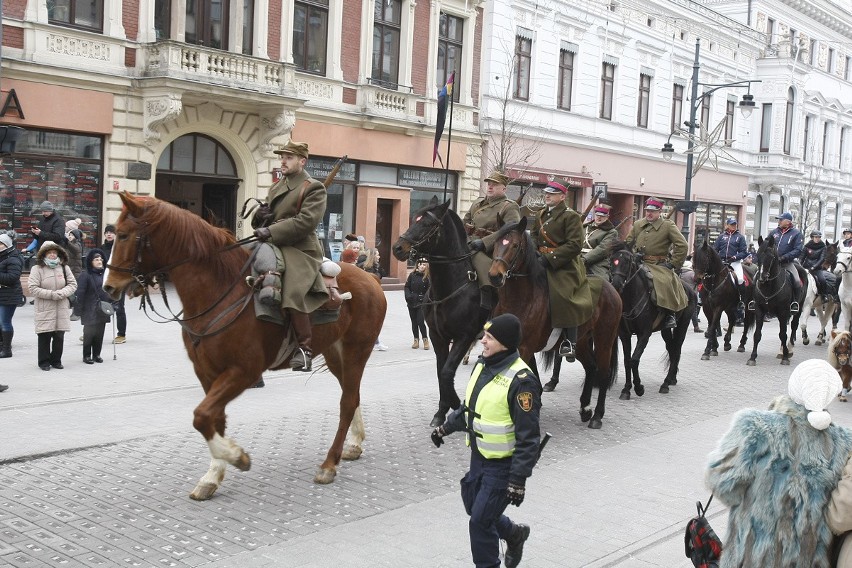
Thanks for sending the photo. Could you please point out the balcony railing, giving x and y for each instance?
(213, 66)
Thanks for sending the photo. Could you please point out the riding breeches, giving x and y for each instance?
(737, 267)
(791, 269)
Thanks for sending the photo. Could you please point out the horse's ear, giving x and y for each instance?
(434, 200)
(134, 206)
(759, 240)
(522, 225)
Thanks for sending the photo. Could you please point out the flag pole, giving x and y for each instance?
(450, 134)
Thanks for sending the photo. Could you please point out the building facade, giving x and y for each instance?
(186, 100)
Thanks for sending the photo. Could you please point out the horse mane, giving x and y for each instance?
(832, 358)
(706, 259)
(198, 240)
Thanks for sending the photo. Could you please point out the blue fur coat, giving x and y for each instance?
(776, 473)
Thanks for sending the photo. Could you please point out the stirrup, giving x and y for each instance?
(301, 360)
(794, 306)
(567, 350)
(669, 322)
(751, 306)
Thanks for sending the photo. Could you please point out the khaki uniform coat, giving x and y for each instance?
(570, 298)
(662, 239)
(51, 288)
(490, 215)
(293, 230)
(840, 515)
(596, 248)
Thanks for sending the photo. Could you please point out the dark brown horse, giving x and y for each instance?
(228, 346)
(840, 357)
(522, 284)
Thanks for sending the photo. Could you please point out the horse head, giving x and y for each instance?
(424, 232)
(840, 348)
(843, 261)
(511, 252)
(769, 263)
(622, 265)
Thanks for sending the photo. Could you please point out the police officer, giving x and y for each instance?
(296, 204)
(481, 221)
(501, 418)
(558, 235)
(731, 247)
(664, 250)
(600, 234)
(789, 241)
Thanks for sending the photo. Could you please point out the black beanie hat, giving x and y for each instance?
(506, 328)
(109, 229)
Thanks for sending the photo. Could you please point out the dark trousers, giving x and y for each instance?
(50, 346)
(120, 316)
(483, 491)
(417, 322)
(93, 340)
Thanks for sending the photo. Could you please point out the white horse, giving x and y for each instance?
(824, 312)
(843, 270)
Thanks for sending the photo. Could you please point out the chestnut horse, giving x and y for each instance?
(840, 357)
(523, 291)
(228, 346)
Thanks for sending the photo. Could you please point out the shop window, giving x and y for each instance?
(88, 15)
(197, 154)
(310, 35)
(386, 34)
(450, 46)
(710, 220)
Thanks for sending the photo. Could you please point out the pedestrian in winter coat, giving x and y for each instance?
(51, 227)
(600, 234)
(52, 284)
(11, 293)
(74, 246)
(90, 294)
(416, 287)
(776, 469)
(120, 313)
(840, 516)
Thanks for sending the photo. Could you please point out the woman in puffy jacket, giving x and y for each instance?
(90, 294)
(52, 284)
(415, 293)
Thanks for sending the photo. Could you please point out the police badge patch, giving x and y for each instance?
(525, 401)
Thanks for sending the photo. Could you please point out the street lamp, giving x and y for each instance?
(746, 105)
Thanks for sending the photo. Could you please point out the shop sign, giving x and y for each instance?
(421, 178)
(138, 170)
(319, 168)
(12, 104)
(542, 178)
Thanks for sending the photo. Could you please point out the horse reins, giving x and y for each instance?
(639, 308)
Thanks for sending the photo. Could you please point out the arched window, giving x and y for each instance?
(197, 154)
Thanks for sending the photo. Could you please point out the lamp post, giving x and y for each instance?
(687, 207)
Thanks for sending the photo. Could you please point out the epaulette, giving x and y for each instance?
(524, 375)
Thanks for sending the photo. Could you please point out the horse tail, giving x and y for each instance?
(547, 359)
(606, 382)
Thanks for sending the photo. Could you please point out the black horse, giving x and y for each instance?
(451, 307)
(773, 294)
(721, 295)
(640, 317)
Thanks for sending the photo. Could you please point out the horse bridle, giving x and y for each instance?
(760, 280)
(510, 266)
(434, 231)
(632, 270)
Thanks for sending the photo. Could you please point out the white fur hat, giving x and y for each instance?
(814, 384)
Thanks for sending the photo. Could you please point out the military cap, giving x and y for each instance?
(297, 148)
(498, 177)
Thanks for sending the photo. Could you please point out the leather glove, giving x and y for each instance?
(543, 262)
(438, 436)
(476, 245)
(263, 214)
(263, 234)
(668, 265)
(515, 493)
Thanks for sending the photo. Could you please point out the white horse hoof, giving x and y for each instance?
(351, 452)
(203, 491)
(325, 476)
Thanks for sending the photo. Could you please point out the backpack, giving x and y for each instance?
(701, 544)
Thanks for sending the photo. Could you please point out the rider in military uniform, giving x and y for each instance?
(558, 235)
(501, 418)
(600, 234)
(481, 223)
(663, 249)
(296, 205)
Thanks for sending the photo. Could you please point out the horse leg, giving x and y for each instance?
(550, 386)
(758, 334)
(467, 355)
(732, 318)
(209, 420)
(626, 341)
(446, 382)
(352, 448)
(748, 322)
(605, 363)
(584, 355)
(641, 344)
(782, 335)
(712, 347)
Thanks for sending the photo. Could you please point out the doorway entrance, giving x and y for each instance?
(384, 218)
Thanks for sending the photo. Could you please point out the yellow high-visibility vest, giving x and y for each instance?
(495, 431)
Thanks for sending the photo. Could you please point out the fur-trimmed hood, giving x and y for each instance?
(48, 246)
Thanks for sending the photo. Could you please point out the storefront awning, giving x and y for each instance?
(542, 177)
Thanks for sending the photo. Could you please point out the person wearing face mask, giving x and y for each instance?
(52, 283)
(90, 294)
(11, 293)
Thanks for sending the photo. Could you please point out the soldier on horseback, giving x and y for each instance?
(294, 207)
(481, 222)
(558, 235)
(663, 250)
(600, 234)
(731, 248)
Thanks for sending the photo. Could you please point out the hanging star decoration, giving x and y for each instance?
(709, 146)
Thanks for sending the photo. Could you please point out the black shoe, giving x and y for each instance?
(44, 367)
(88, 361)
(515, 545)
(98, 360)
(669, 322)
(3, 387)
(567, 350)
(301, 360)
(57, 365)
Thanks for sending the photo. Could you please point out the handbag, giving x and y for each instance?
(106, 308)
(701, 544)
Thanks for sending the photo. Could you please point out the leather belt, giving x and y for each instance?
(546, 249)
(655, 258)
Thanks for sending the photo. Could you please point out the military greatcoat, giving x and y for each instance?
(293, 230)
(558, 234)
(481, 221)
(596, 248)
(661, 242)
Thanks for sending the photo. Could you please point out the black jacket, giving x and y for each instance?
(415, 289)
(813, 255)
(90, 293)
(52, 229)
(527, 432)
(11, 266)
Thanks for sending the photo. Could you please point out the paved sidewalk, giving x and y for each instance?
(97, 461)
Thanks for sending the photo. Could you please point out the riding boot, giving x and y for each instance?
(301, 324)
(669, 321)
(742, 292)
(487, 296)
(567, 349)
(6, 348)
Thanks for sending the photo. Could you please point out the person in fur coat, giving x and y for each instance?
(776, 469)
